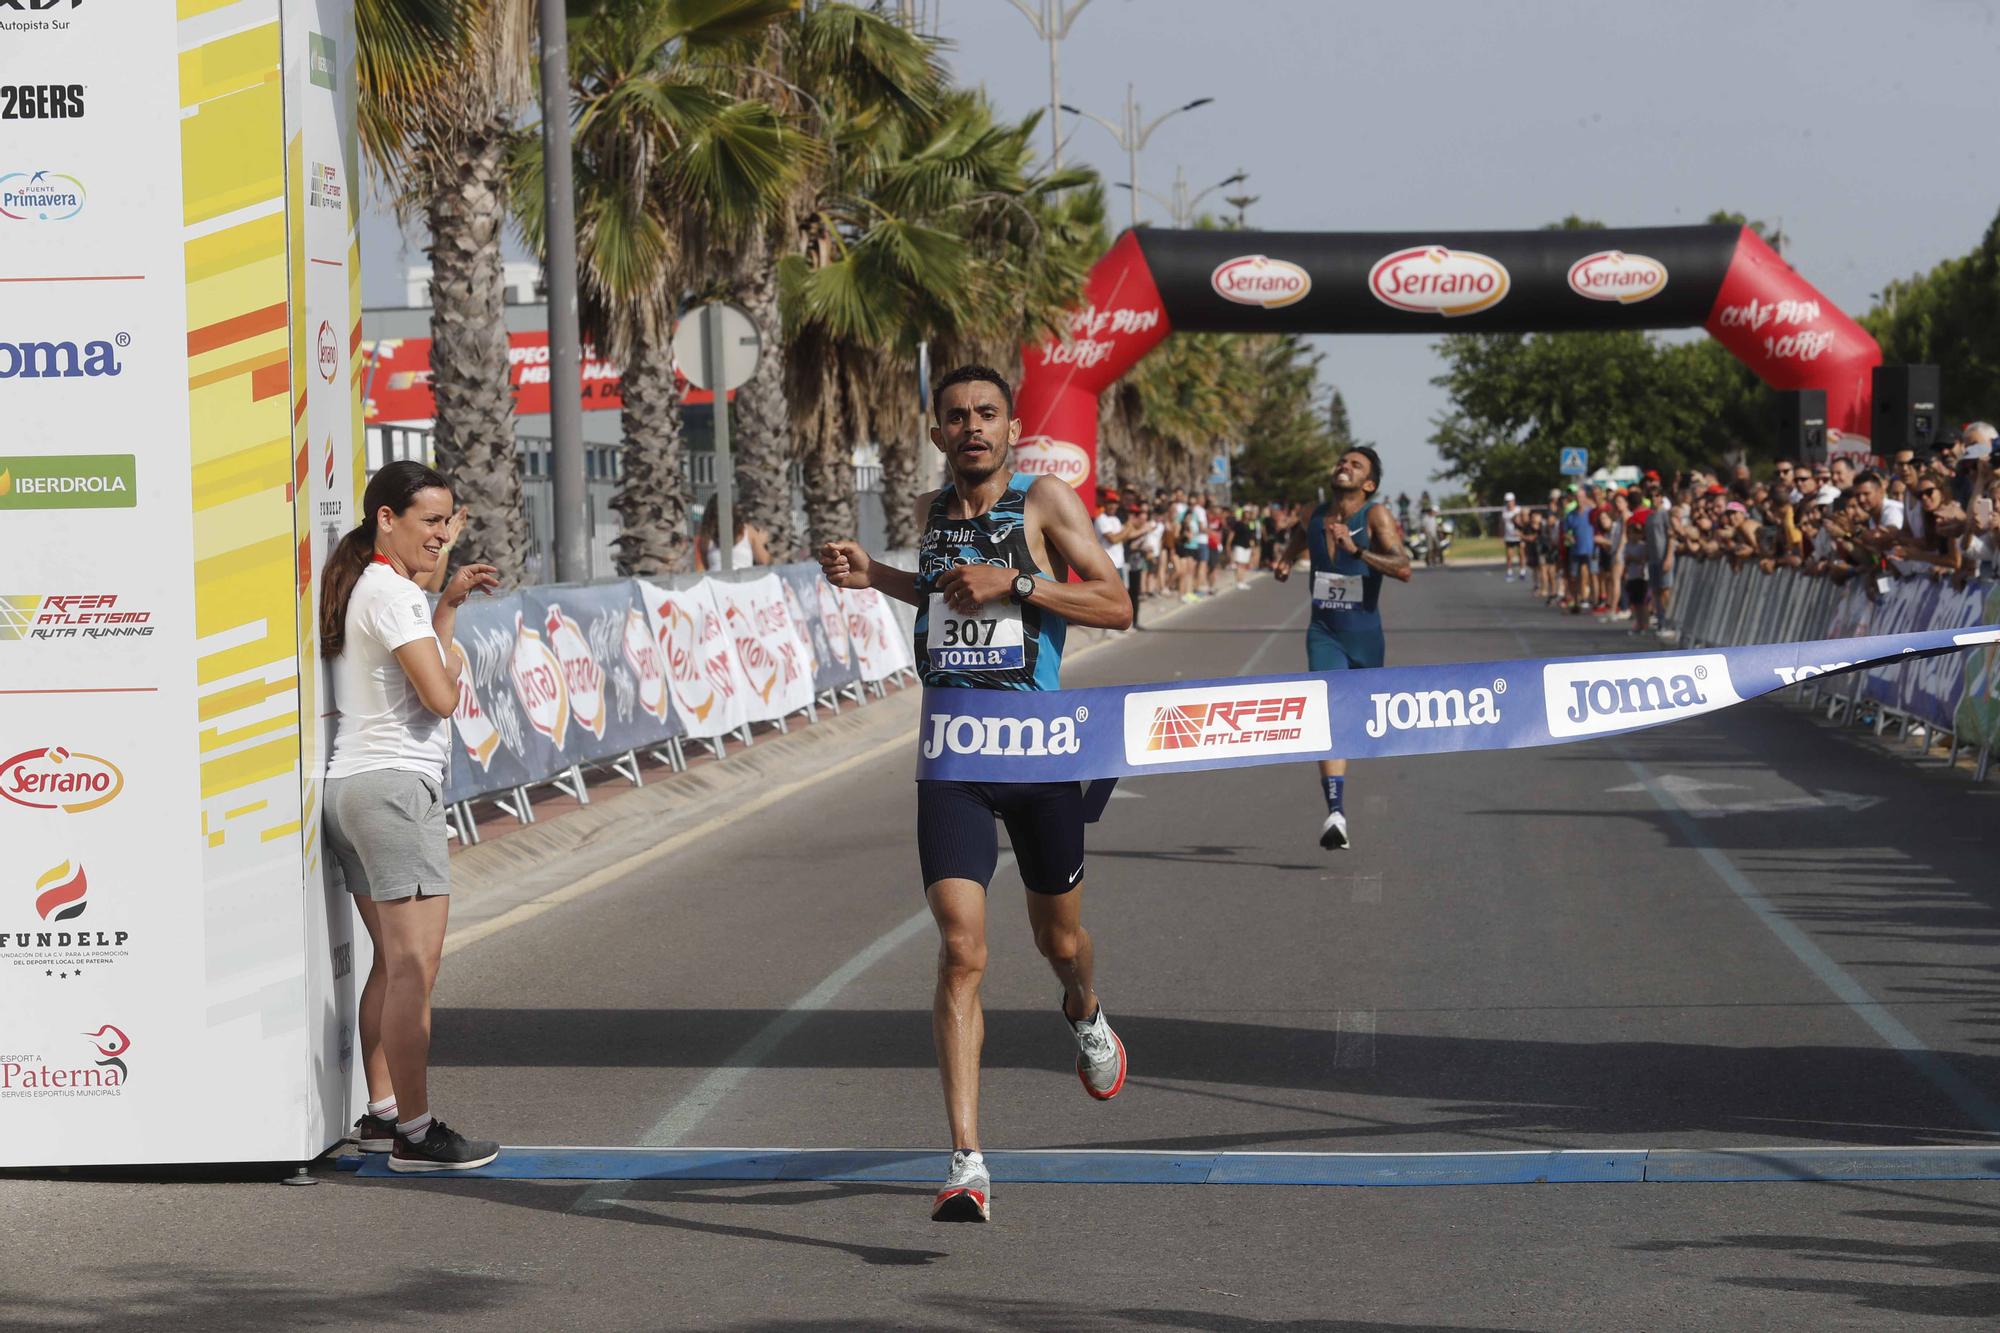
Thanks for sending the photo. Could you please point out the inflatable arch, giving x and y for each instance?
(1151, 282)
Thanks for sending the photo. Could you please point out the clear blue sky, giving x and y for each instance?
(1867, 129)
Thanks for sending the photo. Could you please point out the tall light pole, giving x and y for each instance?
(572, 529)
(1132, 137)
(1180, 207)
(1052, 24)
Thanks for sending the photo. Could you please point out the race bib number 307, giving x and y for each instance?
(988, 640)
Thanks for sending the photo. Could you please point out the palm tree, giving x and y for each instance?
(928, 231)
(669, 170)
(441, 83)
(834, 65)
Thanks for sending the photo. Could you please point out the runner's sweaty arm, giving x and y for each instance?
(1386, 553)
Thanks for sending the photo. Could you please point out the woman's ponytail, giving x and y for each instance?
(336, 584)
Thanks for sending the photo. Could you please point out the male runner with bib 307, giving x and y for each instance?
(1353, 543)
(993, 602)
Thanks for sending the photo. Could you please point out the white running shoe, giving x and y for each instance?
(1333, 833)
(967, 1195)
(1100, 1056)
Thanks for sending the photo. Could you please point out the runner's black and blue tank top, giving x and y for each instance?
(1346, 593)
(1002, 646)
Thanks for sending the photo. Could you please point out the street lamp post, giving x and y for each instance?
(1052, 24)
(571, 535)
(1180, 207)
(1131, 137)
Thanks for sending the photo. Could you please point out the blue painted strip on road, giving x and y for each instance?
(1443, 1168)
(1749, 1164)
(1088, 1166)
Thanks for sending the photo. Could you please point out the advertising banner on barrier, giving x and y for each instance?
(770, 647)
(493, 747)
(880, 650)
(816, 608)
(1977, 719)
(612, 707)
(708, 689)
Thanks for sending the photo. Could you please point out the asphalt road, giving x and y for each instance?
(1746, 929)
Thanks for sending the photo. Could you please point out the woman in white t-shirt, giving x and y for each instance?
(395, 690)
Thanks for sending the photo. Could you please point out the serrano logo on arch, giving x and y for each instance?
(1613, 275)
(1431, 280)
(1045, 456)
(1260, 280)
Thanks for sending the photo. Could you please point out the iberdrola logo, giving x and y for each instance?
(538, 681)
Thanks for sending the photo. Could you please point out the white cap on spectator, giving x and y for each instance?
(1509, 496)
(1827, 495)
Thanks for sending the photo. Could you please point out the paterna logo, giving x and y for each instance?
(1417, 710)
(1618, 694)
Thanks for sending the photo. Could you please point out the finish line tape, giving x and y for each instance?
(1130, 730)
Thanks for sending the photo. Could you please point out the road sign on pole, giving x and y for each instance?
(1575, 462)
(717, 347)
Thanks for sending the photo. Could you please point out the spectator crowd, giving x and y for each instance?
(1612, 552)
(1184, 545)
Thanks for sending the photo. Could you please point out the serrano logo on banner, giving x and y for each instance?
(1169, 726)
(475, 730)
(41, 196)
(1045, 456)
(53, 778)
(581, 674)
(1589, 698)
(1421, 710)
(1260, 280)
(1613, 275)
(1432, 280)
(643, 656)
(538, 681)
(328, 346)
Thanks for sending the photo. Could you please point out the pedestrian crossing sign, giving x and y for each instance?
(1575, 462)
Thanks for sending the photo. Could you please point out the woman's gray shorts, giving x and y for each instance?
(385, 829)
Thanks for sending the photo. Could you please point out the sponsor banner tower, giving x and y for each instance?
(179, 266)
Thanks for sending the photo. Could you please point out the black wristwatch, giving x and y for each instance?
(1024, 588)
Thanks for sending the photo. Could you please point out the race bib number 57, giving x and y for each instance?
(1336, 592)
(988, 640)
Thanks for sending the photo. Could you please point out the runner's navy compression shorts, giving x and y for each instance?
(956, 838)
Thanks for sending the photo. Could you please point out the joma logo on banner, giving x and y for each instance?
(1586, 698)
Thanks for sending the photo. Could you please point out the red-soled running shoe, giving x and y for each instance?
(967, 1195)
(1100, 1056)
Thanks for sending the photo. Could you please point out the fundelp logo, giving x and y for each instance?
(61, 893)
(52, 778)
(1613, 275)
(1260, 280)
(1433, 280)
(1167, 726)
(40, 196)
(1618, 694)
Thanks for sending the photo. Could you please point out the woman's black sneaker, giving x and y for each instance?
(374, 1133)
(442, 1148)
